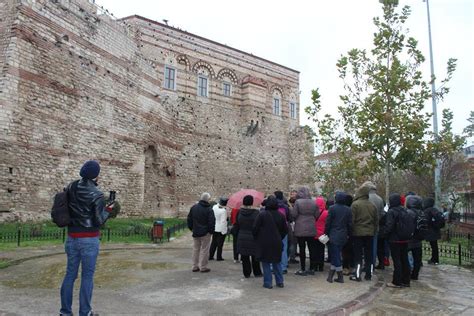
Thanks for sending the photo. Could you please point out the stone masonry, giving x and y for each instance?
(76, 84)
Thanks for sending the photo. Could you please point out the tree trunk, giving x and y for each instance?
(387, 180)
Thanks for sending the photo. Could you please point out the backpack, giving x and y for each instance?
(437, 220)
(60, 210)
(405, 225)
(421, 226)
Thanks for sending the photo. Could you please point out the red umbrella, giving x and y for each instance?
(235, 200)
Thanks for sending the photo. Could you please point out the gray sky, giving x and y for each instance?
(310, 36)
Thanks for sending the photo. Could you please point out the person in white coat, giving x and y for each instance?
(218, 238)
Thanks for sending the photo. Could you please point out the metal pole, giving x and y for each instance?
(437, 172)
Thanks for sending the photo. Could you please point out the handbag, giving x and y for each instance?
(323, 239)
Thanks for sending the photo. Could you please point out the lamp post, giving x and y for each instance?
(435, 110)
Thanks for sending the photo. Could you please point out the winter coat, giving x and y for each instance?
(430, 211)
(246, 244)
(269, 229)
(304, 213)
(339, 221)
(414, 206)
(365, 219)
(220, 213)
(201, 219)
(389, 228)
(321, 221)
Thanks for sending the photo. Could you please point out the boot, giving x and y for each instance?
(331, 275)
(340, 277)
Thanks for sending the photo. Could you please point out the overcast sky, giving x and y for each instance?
(310, 36)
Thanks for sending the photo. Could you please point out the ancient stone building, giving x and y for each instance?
(167, 113)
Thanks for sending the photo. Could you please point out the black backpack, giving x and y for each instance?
(60, 210)
(405, 225)
(421, 226)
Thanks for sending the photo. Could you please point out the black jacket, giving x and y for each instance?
(246, 244)
(86, 206)
(414, 205)
(389, 228)
(201, 219)
(339, 221)
(431, 211)
(269, 229)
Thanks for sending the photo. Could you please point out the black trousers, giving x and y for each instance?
(217, 244)
(381, 251)
(234, 245)
(348, 254)
(434, 251)
(249, 264)
(363, 246)
(401, 267)
(319, 256)
(311, 242)
(417, 254)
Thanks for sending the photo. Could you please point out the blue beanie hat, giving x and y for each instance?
(90, 169)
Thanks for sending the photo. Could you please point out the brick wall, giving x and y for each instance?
(78, 85)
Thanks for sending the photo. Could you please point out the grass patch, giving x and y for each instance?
(4, 263)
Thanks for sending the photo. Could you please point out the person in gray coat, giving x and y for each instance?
(305, 213)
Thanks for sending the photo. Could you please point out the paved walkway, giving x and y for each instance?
(441, 290)
(149, 279)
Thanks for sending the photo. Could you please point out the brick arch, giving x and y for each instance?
(276, 88)
(226, 72)
(203, 64)
(182, 59)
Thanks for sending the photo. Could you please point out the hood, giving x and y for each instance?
(303, 193)
(414, 202)
(321, 203)
(428, 202)
(246, 211)
(204, 203)
(362, 192)
(394, 200)
(370, 185)
(341, 197)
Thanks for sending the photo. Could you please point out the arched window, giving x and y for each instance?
(276, 101)
(292, 107)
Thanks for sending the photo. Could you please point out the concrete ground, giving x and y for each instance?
(157, 279)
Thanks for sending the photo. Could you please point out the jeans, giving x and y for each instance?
(284, 254)
(401, 267)
(84, 252)
(267, 273)
(335, 259)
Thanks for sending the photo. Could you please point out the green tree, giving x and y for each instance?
(382, 112)
(469, 130)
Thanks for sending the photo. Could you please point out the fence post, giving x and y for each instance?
(448, 238)
(64, 235)
(108, 234)
(18, 237)
(459, 253)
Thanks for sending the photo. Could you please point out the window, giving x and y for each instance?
(276, 106)
(170, 78)
(202, 86)
(226, 89)
(292, 110)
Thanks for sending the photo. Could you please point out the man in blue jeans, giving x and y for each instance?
(88, 212)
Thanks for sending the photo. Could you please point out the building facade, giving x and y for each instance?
(167, 113)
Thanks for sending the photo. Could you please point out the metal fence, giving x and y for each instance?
(462, 254)
(107, 234)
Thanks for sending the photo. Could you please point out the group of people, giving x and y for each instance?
(358, 230)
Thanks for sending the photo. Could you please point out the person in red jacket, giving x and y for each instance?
(320, 226)
(233, 221)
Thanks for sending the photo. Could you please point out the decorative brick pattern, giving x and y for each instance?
(76, 85)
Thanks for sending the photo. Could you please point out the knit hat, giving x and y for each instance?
(90, 170)
(248, 200)
(272, 203)
(223, 201)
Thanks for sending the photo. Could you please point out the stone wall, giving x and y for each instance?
(78, 85)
